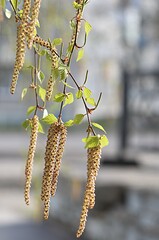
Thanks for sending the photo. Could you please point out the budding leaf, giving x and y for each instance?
(91, 101)
(57, 41)
(49, 119)
(26, 124)
(40, 128)
(98, 126)
(76, 5)
(80, 54)
(31, 109)
(78, 118)
(69, 123)
(87, 28)
(104, 141)
(79, 94)
(41, 76)
(42, 93)
(68, 99)
(3, 3)
(87, 92)
(24, 92)
(91, 142)
(59, 97)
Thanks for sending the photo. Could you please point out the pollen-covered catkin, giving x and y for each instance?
(59, 154)
(30, 158)
(32, 25)
(49, 89)
(49, 171)
(20, 55)
(93, 163)
(49, 146)
(20, 50)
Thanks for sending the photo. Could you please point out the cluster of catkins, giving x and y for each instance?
(56, 140)
(25, 34)
(54, 151)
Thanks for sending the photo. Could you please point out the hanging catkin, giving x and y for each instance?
(50, 158)
(93, 163)
(59, 154)
(20, 50)
(30, 158)
(32, 25)
(50, 84)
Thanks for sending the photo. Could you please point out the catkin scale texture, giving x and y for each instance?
(30, 158)
(93, 163)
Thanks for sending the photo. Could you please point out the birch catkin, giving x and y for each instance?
(93, 163)
(20, 50)
(32, 25)
(30, 158)
(59, 154)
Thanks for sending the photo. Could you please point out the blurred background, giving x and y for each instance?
(122, 55)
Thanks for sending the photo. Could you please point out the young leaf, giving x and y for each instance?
(98, 126)
(42, 93)
(41, 76)
(80, 54)
(40, 128)
(59, 97)
(63, 73)
(76, 5)
(91, 142)
(26, 124)
(87, 28)
(68, 99)
(69, 123)
(91, 101)
(31, 109)
(55, 73)
(104, 141)
(87, 92)
(24, 92)
(57, 41)
(15, 4)
(78, 118)
(3, 3)
(79, 94)
(67, 85)
(49, 119)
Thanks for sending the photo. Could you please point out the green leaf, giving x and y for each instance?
(91, 101)
(69, 123)
(76, 5)
(26, 124)
(78, 118)
(24, 92)
(87, 28)
(49, 119)
(40, 128)
(87, 92)
(104, 141)
(91, 142)
(42, 52)
(80, 54)
(37, 24)
(68, 99)
(55, 73)
(63, 73)
(57, 41)
(15, 4)
(59, 97)
(98, 126)
(41, 76)
(31, 109)
(3, 3)
(48, 56)
(79, 94)
(67, 85)
(42, 93)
